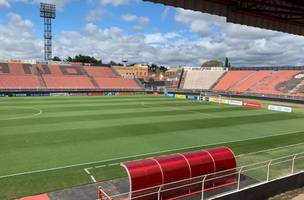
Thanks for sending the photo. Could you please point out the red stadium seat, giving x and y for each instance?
(19, 82)
(119, 83)
(27, 76)
(230, 79)
(282, 82)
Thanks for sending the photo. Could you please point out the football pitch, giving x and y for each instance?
(50, 143)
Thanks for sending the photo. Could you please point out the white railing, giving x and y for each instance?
(217, 184)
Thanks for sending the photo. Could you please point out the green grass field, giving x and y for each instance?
(47, 142)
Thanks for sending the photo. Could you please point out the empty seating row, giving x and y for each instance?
(19, 82)
(198, 79)
(27, 76)
(282, 82)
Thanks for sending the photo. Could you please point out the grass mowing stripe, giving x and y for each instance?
(115, 106)
(229, 143)
(110, 130)
(88, 117)
(54, 139)
(84, 102)
(239, 147)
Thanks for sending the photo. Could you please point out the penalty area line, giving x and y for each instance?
(271, 149)
(89, 173)
(140, 155)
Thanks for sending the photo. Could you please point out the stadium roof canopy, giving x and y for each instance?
(279, 15)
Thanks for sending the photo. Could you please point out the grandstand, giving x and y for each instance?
(20, 76)
(202, 79)
(271, 81)
(274, 82)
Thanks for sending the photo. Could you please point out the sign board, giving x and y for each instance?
(280, 108)
(180, 96)
(169, 95)
(192, 97)
(235, 103)
(252, 105)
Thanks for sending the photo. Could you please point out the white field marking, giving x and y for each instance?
(89, 173)
(23, 117)
(93, 179)
(113, 164)
(101, 166)
(140, 155)
(271, 149)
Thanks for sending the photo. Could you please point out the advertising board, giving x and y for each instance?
(280, 108)
(235, 103)
(192, 97)
(252, 105)
(180, 96)
(169, 95)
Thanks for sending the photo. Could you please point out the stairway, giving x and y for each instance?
(241, 81)
(296, 89)
(261, 82)
(218, 80)
(115, 72)
(40, 77)
(182, 79)
(92, 79)
(139, 83)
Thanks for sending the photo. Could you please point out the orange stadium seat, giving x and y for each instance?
(100, 72)
(268, 86)
(27, 76)
(59, 82)
(260, 75)
(19, 82)
(230, 79)
(120, 83)
(280, 82)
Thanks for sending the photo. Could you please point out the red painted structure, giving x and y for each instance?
(252, 105)
(177, 174)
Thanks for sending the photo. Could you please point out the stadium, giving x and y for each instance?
(72, 130)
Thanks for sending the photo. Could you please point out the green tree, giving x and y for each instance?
(69, 59)
(226, 62)
(56, 58)
(84, 59)
(213, 63)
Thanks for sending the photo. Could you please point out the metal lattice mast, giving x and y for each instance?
(48, 12)
(47, 39)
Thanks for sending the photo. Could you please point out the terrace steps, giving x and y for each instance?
(261, 83)
(40, 78)
(297, 88)
(92, 79)
(237, 84)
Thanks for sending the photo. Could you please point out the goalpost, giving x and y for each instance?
(211, 97)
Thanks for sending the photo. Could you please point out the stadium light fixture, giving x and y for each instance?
(47, 12)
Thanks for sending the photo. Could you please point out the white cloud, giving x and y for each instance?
(160, 38)
(138, 28)
(95, 15)
(4, 4)
(59, 3)
(114, 2)
(17, 39)
(135, 18)
(129, 17)
(246, 46)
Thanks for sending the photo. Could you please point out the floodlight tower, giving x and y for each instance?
(47, 12)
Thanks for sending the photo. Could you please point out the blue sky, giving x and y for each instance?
(73, 16)
(141, 32)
